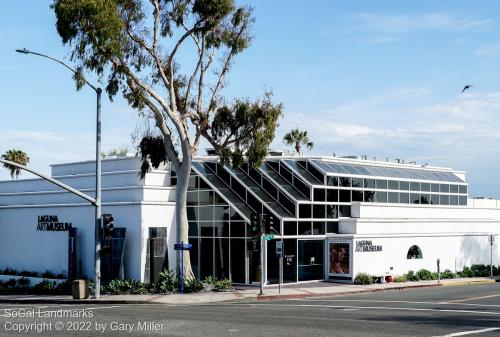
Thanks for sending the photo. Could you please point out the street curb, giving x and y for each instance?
(299, 296)
(76, 302)
(463, 283)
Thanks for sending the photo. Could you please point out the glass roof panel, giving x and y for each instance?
(336, 168)
(362, 170)
(348, 168)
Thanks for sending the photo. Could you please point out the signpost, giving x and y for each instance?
(492, 243)
(182, 246)
(279, 254)
(439, 269)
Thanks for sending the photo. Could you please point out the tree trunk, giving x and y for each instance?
(297, 147)
(181, 219)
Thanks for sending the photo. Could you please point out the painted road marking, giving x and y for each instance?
(475, 298)
(457, 311)
(409, 302)
(472, 332)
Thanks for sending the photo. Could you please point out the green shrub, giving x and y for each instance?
(223, 285)
(23, 282)
(193, 285)
(466, 272)
(399, 279)
(411, 276)
(123, 287)
(167, 282)
(446, 274)
(363, 279)
(480, 270)
(43, 288)
(426, 275)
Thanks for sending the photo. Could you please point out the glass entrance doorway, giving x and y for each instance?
(311, 260)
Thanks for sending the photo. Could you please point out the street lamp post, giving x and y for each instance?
(98, 91)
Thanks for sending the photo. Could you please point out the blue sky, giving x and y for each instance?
(381, 78)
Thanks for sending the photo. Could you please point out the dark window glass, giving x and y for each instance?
(254, 203)
(404, 198)
(287, 203)
(218, 200)
(332, 211)
(221, 258)
(426, 187)
(207, 257)
(434, 187)
(344, 211)
(369, 196)
(393, 185)
(256, 175)
(206, 213)
(444, 199)
(414, 253)
(193, 256)
(305, 228)
(235, 216)
(332, 227)
(193, 228)
(463, 189)
(319, 211)
(345, 196)
(381, 196)
(345, 182)
(454, 188)
(319, 194)
(454, 200)
(393, 197)
(206, 228)
(173, 179)
(444, 188)
(224, 175)
(434, 199)
(369, 183)
(274, 164)
(221, 228)
(414, 186)
(203, 184)
(317, 174)
(357, 195)
(302, 187)
(318, 228)
(238, 249)
(238, 229)
(290, 227)
(381, 184)
(211, 166)
(269, 187)
(304, 211)
(286, 173)
(425, 199)
(415, 198)
(192, 213)
(357, 182)
(462, 200)
(404, 186)
(332, 195)
(332, 181)
(239, 189)
(193, 182)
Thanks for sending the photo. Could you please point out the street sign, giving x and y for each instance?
(279, 249)
(183, 246)
(268, 237)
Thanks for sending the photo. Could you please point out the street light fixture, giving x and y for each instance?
(98, 91)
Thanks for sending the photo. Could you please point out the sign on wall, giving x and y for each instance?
(51, 223)
(339, 258)
(363, 246)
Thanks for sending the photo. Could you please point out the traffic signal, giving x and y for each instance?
(254, 224)
(107, 226)
(271, 223)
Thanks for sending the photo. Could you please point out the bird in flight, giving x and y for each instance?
(467, 87)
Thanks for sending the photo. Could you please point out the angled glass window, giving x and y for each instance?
(362, 170)
(337, 168)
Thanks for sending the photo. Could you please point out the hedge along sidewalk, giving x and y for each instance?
(246, 293)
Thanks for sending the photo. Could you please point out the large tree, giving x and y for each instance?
(297, 138)
(134, 47)
(16, 156)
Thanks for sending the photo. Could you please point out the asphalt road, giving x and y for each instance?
(442, 311)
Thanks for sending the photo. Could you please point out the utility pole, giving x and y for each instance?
(97, 203)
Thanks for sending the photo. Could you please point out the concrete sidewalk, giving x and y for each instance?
(247, 293)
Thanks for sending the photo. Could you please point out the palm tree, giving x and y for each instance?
(17, 156)
(298, 138)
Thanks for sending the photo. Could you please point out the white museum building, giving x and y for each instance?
(335, 217)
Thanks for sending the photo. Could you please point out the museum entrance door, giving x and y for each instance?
(311, 260)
